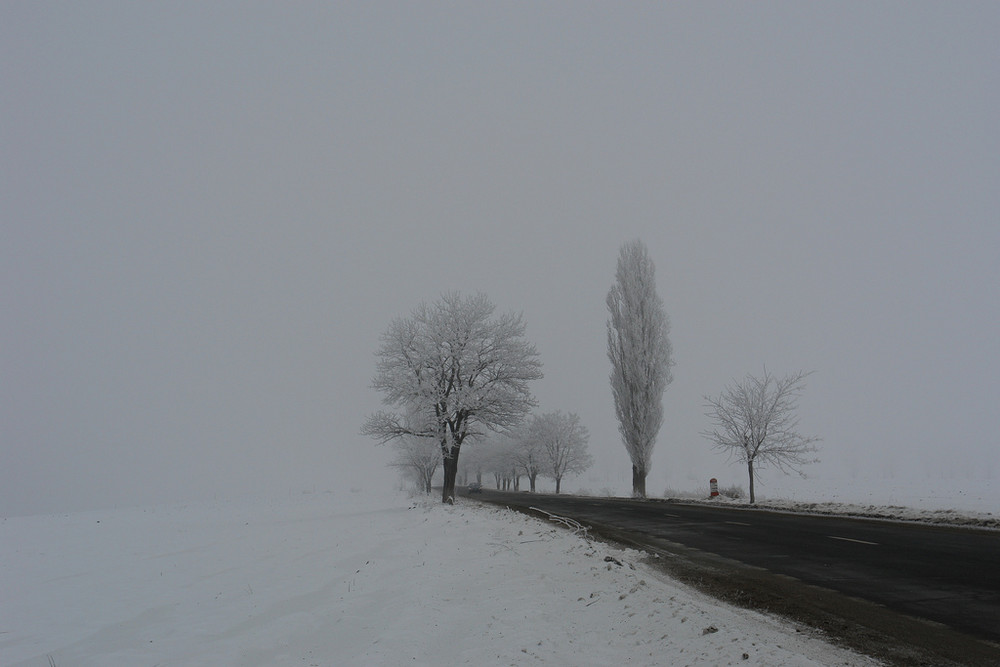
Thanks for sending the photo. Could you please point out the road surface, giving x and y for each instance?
(819, 569)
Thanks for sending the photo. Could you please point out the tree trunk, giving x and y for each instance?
(638, 483)
(750, 469)
(558, 479)
(427, 485)
(450, 473)
(531, 478)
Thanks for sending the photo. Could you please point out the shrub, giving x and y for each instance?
(735, 492)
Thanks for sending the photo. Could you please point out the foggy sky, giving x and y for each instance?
(211, 212)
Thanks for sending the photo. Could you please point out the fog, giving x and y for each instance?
(209, 214)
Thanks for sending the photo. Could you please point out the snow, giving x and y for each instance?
(353, 578)
(949, 517)
(971, 496)
(942, 501)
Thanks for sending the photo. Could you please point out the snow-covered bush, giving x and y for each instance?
(735, 492)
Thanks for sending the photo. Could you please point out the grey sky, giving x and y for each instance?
(210, 213)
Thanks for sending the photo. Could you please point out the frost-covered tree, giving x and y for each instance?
(462, 368)
(494, 459)
(563, 441)
(527, 456)
(501, 461)
(755, 422)
(640, 353)
(415, 456)
(475, 461)
(419, 458)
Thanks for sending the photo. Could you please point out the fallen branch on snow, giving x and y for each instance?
(572, 524)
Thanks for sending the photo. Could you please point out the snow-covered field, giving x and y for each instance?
(919, 494)
(943, 501)
(891, 512)
(356, 579)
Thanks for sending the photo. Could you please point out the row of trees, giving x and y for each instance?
(552, 445)
(454, 373)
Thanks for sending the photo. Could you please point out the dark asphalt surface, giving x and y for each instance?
(948, 575)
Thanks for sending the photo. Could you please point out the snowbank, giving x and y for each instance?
(949, 517)
(353, 579)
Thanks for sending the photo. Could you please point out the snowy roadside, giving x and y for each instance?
(355, 579)
(951, 517)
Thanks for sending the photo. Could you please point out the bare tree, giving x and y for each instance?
(503, 463)
(527, 455)
(416, 456)
(419, 457)
(563, 441)
(755, 422)
(640, 353)
(475, 461)
(497, 455)
(464, 370)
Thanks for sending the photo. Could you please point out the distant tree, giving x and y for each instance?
(465, 370)
(419, 458)
(640, 353)
(474, 461)
(498, 459)
(495, 460)
(527, 455)
(563, 442)
(755, 422)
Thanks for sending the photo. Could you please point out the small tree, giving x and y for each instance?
(527, 455)
(465, 372)
(755, 422)
(499, 454)
(419, 457)
(496, 455)
(564, 444)
(474, 463)
(640, 354)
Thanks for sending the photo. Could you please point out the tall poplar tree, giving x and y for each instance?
(640, 354)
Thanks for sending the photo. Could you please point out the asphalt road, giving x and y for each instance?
(950, 576)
